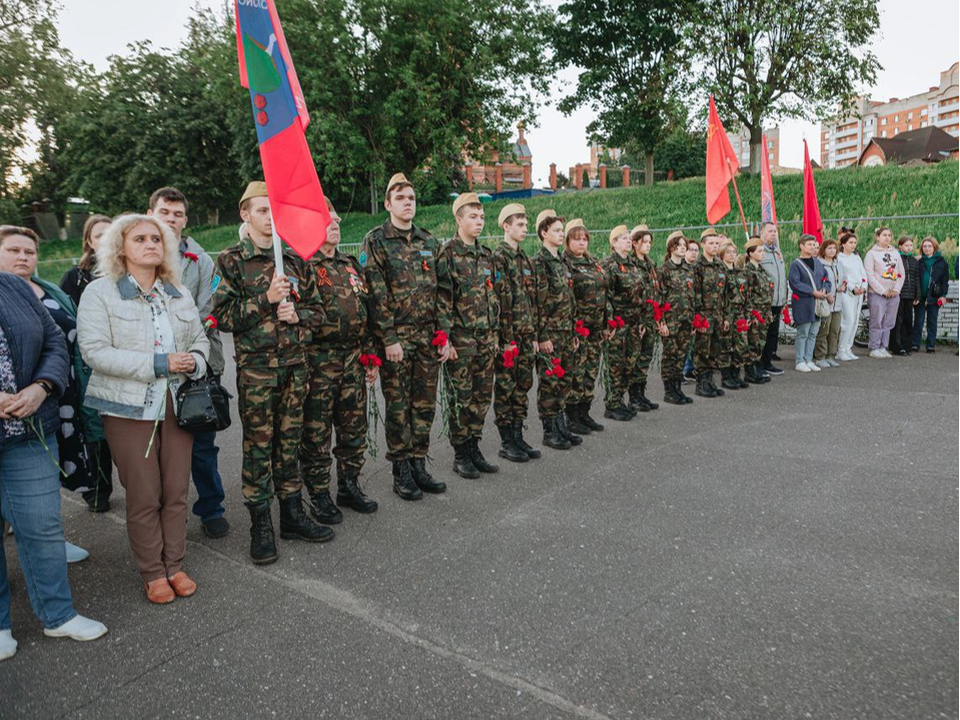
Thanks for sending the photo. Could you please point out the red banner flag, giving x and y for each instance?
(300, 215)
(812, 224)
(721, 166)
(768, 208)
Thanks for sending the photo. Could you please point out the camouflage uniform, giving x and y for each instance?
(271, 363)
(338, 389)
(401, 274)
(647, 289)
(733, 347)
(466, 295)
(759, 298)
(709, 301)
(515, 284)
(676, 288)
(556, 308)
(590, 291)
(623, 281)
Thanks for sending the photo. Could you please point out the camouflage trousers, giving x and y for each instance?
(755, 341)
(586, 368)
(337, 400)
(707, 346)
(733, 346)
(675, 347)
(470, 379)
(621, 351)
(645, 348)
(511, 390)
(553, 391)
(270, 403)
(410, 395)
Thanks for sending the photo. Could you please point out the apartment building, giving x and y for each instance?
(740, 141)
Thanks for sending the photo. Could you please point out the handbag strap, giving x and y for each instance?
(813, 283)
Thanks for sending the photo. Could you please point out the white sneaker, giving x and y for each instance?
(886, 353)
(813, 366)
(822, 364)
(878, 354)
(851, 356)
(803, 367)
(80, 628)
(832, 363)
(75, 553)
(8, 646)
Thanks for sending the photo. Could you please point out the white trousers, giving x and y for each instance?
(850, 305)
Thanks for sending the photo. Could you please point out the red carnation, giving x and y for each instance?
(939, 302)
(559, 371)
(786, 316)
(620, 322)
(759, 316)
(210, 322)
(743, 325)
(439, 339)
(193, 257)
(548, 372)
(794, 297)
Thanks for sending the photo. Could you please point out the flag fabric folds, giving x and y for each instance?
(721, 166)
(768, 208)
(299, 210)
(812, 223)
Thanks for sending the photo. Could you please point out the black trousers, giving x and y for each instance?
(901, 337)
(773, 336)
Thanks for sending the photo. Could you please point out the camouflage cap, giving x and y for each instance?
(709, 232)
(509, 211)
(544, 215)
(397, 179)
(617, 232)
(257, 188)
(573, 225)
(469, 198)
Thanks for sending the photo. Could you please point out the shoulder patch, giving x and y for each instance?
(363, 258)
(215, 282)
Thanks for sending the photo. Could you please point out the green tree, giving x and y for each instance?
(792, 58)
(683, 152)
(633, 54)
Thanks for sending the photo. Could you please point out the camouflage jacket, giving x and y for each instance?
(709, 280)
(556, 305)
(623, 288)
(466, 294)
(649, 289)
(736, 287)
(241, 307)
(515, 284)
(401, 277)
(759, 291)
(343, 295)
(676, 288)
(589, 290)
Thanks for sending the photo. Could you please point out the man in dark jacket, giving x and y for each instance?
(901, 339)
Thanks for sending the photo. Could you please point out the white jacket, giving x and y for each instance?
(116, 338)
(852, 270)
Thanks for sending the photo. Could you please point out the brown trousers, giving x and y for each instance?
(156, 486)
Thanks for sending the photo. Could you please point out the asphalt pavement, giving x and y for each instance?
(787, 551)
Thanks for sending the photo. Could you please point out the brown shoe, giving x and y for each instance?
(159, 591)
(182, 584)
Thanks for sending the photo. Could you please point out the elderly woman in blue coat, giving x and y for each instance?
(809, 282)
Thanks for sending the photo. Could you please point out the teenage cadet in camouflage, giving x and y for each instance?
(676, 288)
(466, 295)
(734, 344)
(590, 293)
(623, 322)
(338, 383)
(760, 298)
(556, 309)
(648, 289)
(400, 266)
(515, 287)
(271, 316)
(709, 298)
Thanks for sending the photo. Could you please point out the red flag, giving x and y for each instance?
(721, 165)
(300, 215)
(812, 224)
(768, 208)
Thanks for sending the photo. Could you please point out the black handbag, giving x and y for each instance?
(203, 405)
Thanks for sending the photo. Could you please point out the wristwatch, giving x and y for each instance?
(46, 385)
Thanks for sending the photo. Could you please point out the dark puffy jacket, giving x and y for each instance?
(37, 346)
(939, 276)
(911, 280)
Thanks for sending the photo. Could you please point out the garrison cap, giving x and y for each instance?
(509, 211)
(709, 232)
(573, 225)
(753, 242)
(544, 215)
(397, 179)
(468, 198)
(258, 188)
(675, 234)
(617, 232)
(640, 229)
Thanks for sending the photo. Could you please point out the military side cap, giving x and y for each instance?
(544, 215)
(573, 225)
(640, 229)
(709, 232)
(509, 211)
(675, 234)
(752, 243)
(258, 188)
(469, 198)
(397, 179)
(617, 232)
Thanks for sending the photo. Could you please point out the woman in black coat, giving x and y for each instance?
(934, 282)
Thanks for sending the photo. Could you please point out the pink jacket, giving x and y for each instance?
(884, 270)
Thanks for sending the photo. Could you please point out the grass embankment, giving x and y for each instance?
(883, 192)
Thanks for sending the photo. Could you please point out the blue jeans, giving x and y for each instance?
(688, 363)
(30, 502)
(806, 339)
(206, 477)
(929, 313)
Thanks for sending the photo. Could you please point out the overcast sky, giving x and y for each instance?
(916, 42)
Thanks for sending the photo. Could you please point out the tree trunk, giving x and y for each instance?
(756, 145)
(373, 195)
(648, 170)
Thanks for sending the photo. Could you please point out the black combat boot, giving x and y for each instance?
(263, 545)
(713, 385)
(636, 401)
(761, 372)
(531, 452)
(403, 484)
(678, 386)
(350, 495)
(751, 376)
(479, 461)
(509, 450)
(463, 462)
(671, 393)
(552, 437)
(704, 386)
(727, 380)
(587, 420)
(618, 412)
(424, 480)
(563, 427)
(574, 422)
(644, 399)
(323, 509)
(295, 525)
(735, 374)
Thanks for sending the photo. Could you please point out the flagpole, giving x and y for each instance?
(736, 191)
